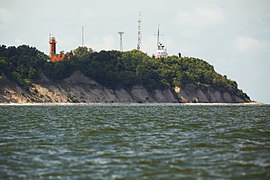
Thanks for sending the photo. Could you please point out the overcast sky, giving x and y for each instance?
(232, 35)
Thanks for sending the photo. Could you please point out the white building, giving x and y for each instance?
(161, 51)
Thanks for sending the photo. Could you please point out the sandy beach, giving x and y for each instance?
(132, 104)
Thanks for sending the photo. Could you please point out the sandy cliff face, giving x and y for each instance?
(191, 93)
(80, 89)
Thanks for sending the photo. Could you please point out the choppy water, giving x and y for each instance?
(135, 142)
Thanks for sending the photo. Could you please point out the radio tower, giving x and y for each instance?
(121, 40)
(139, 32)
(82, 36)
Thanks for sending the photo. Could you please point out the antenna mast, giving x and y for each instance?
(139, 32)
(158, 35)
(82, 36)
(121, 40)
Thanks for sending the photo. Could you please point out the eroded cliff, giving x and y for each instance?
(80, 89)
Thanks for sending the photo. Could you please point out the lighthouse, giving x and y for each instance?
(52, 45)
(54, 57)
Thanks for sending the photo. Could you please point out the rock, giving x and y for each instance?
(227, 98)
(215, 96)
(202, 97)
(183, 97)
(124, 96)
(141, 95)
(169, 96)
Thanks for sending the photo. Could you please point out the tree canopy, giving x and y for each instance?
(114, 69)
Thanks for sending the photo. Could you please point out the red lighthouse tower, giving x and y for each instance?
(54, 57)
(52, 45)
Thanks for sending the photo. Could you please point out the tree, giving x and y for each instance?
(82, 52)
(3, 64)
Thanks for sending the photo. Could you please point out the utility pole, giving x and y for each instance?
(121, 40)
(139, 32)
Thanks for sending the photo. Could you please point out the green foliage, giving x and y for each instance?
(3, 64)
(82, 52)
(21, 64)
(115, 69)
(58, 70)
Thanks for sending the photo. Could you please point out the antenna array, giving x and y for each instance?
(121, 40)
(139, 32)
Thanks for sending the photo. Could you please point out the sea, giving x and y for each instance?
(134, 141)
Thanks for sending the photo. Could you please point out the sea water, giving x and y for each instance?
(107, 141)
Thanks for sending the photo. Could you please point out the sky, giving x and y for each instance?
(231, 35)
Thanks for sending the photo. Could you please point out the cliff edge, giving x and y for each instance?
(80, 89)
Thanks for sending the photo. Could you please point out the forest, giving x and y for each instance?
(113, 69)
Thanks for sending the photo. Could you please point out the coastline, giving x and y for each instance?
(254, 103)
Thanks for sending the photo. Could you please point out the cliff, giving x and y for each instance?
(80, 89)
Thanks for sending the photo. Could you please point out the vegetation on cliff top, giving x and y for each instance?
(114, 69)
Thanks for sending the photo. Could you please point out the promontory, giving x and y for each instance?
(85, 76)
